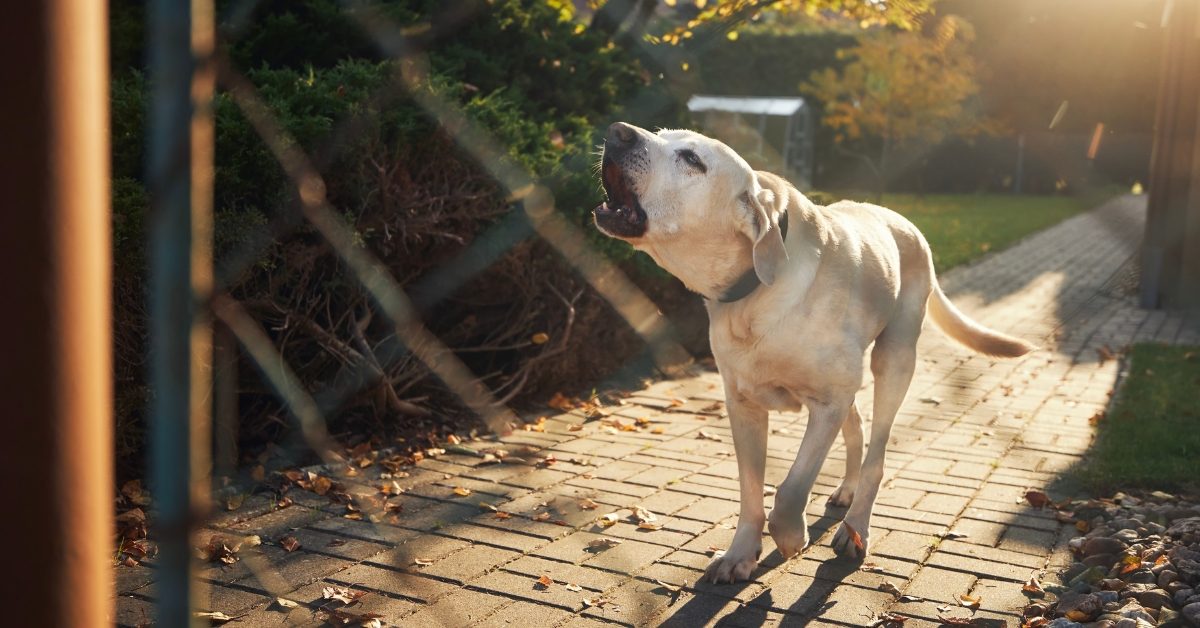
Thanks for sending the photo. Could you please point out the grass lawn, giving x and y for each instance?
(961, 227)
(1151, 439)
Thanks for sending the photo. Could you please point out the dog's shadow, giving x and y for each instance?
(710, 599)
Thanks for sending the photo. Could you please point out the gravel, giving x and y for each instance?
(1137, 564)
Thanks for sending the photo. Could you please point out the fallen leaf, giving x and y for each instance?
(285, 603)
(133, 491)
(646, 525)
(217, 617)
(335, 543)
(575, 427)
(909, 598)
(422, 562)
(871, 568)
(888, 587)
(606, 521)
(1037, 499)
(603, 543)
(342, 594)
(969, 602)
(1032, 586)
(954, 534)
(769, 490)
(289, 543)
(705, 435)
(543, 516)
(641, 515)
(658, 430)
(462, 492)
(855, 537)
(500, 514)
(588, 504)
(342, 617)
(573, 587)
(937, 401)
(956, 621)
(670, 587)
(886, 620)
(545, 581)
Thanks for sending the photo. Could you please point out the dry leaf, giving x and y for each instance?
(289, 543)
(1037, 499)
(575, 427)
(603, 543)
(909, 598)
(937, 401)
(855, 537)
(588, 504)
(969, 602)
(646, 525)
(888, 587)
(500, 514)
(342, 594)
(641, 515)
(705, 435)
(607, 520)
(573, 587)
(422, 562)
(541, 516)
(462, 492)
(889, 619)
(216, 617)
(954, 534)
(285, 603)
(769, 490)
(545, 581)
(671, 587)
(871, 568)
(1032, 585)
(956, 621)
(133, 491)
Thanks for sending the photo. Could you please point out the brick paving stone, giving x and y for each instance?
(628, 557)
(940, 585)
(568, 573)
(460, 608)
(1001, 427)
(392, 582)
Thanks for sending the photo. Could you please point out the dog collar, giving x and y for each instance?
(749, 282)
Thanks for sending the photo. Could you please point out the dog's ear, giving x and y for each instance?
(764, 208)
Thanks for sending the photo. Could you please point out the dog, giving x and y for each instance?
(795, 293)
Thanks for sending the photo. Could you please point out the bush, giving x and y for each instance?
(412, 197)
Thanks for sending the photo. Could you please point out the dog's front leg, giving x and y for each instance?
(749, 425)
(788, 526)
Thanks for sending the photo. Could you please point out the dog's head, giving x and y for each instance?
(684, 197)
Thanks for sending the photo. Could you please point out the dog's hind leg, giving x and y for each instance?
(787, 523)
(892, 362)
(749, 425)
(852, 433)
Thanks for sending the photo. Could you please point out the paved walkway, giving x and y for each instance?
(974, 435)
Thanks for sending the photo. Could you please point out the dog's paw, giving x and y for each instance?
(729, 568)
(791, 536)
(842, 496)
(851, 542)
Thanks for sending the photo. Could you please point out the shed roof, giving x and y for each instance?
(746, 104)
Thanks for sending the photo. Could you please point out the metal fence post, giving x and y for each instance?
(55, 327)
(179, 173)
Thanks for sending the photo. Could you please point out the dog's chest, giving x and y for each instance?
(783, 363)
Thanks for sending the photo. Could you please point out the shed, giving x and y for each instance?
(778, 136)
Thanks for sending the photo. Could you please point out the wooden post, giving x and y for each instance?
(1170, 262)
(56, 460)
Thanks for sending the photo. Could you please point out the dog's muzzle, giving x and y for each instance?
(622, 215)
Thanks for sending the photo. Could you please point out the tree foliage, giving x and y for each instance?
(900, 89)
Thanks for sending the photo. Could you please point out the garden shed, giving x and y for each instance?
(774, 134)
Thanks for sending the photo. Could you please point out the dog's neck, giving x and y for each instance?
(706, 266)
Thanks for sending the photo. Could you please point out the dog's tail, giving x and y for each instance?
(970, 333)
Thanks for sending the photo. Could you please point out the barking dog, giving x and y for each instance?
(796, 293)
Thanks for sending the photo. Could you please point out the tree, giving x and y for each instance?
(900, 91)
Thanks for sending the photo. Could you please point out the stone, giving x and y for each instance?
(1154, 598)
(1141, 576)
(1133, 610)
(1126, 622)
(1106, 597)
(1103, 545)
(1180, 527)
(1063, 622)
(1100, 560)
(1166, 577)
(1181, 595)
(1079, 605)
(1191, 613)
(1127, 535)
(1112, 584)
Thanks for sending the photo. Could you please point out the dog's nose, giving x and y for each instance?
(620, 135)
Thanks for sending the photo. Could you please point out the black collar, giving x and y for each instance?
(748, 282)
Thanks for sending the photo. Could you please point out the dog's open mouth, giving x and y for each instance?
(622, 215)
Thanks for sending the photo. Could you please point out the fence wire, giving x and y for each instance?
(537, 217)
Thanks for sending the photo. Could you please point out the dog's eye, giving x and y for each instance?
(692, 159)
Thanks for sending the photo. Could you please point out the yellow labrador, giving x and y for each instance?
(796, 293)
